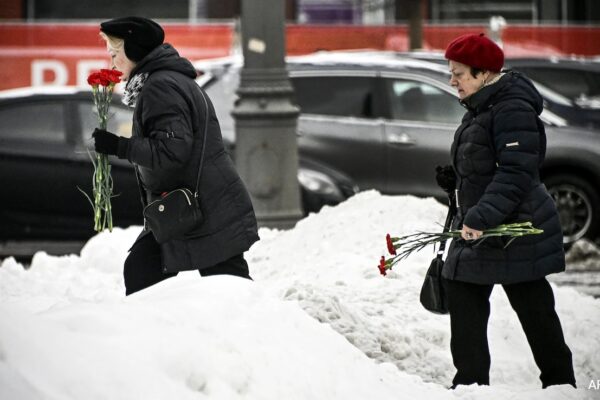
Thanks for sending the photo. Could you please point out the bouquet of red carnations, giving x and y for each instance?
(103, 83)
(403, 246)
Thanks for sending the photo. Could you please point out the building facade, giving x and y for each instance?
(356, 12)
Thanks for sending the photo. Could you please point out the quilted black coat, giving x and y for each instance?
(496, 153)
(166, 145)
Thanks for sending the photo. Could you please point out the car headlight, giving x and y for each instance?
(319, 183)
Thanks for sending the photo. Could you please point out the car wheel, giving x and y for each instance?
(578, 204)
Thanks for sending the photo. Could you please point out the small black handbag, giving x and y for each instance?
(177, 212)
(433, 296)
(174, 214)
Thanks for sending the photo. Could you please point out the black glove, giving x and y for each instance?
(446, 178)
(109, 143)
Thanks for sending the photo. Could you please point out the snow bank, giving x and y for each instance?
(67, 331)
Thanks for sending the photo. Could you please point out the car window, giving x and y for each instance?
(120, 121)
(336, 96)
(568, 82)
(417, 101)
(40, 121)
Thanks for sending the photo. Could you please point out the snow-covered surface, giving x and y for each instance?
(55, 90)
(584, 256)
(318, 322)
(583, 268)
(36, 90)
(388, 59)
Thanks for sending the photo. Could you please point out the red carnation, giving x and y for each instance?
(390, 244)
(112, 75)
(104, 77)
(94, 79)
(104, 81)
(116, 75)
(382, 266)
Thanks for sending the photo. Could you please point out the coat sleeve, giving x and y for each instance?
(166, 125)
(516, 140)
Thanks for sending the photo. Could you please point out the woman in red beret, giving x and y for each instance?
(176, 143)
(496, 154)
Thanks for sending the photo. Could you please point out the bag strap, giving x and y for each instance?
(141, 190)
(137, 176)
(206, 115)
(449, 218)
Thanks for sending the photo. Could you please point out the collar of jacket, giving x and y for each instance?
(482, 99)
(163, 57)
(140, 66)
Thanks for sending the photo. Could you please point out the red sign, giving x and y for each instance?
(64, 54)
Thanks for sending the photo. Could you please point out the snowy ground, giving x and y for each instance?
(318, 322)
(583, 268)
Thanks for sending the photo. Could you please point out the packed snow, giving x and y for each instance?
(317, 322)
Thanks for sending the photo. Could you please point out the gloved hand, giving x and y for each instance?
(109, 143)
(446, 178)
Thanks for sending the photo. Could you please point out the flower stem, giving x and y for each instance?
(404, 246)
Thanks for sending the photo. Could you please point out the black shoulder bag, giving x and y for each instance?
(433, 296)
(178, 211)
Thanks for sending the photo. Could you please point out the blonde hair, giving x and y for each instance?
(112, 42)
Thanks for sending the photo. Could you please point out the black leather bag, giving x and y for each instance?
(433, 296)
(177, 212)
(173, 215)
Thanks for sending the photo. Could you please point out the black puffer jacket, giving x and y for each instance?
(166, 146)
(496, 153)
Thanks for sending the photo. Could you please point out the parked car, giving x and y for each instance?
(45, 161)
(576, 81)
(570, 87)
(44, 141)
(385, 121)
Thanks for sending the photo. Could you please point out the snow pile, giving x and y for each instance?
(67, 331)
(584, 256)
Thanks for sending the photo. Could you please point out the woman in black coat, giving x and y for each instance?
(496, 154)
(166, 147)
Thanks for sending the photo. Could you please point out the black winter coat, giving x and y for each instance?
(496, 153)
(166, 146)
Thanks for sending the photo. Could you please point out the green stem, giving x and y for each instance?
(408, 244)
(102, 179)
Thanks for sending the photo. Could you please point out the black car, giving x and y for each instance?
(44, 141)
(45, 147)
(576, 81)
(385, 121)
(570, 86)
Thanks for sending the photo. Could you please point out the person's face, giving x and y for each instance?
(463, 81)
(120, 62)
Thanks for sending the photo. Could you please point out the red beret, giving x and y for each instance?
(476, 50)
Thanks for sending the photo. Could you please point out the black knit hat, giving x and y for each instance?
(141, 35)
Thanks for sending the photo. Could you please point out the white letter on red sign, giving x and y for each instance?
(38, 67)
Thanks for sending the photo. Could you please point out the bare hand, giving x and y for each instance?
(470, 234)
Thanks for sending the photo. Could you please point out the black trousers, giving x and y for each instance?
(143, 266)
(534, 304)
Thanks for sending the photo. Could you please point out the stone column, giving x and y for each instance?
(266, 153)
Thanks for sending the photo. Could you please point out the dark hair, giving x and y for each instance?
(476, 71)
